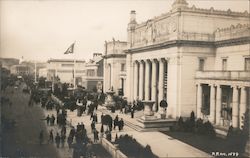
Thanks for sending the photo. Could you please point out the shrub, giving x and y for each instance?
(199, 127)
(239, 137)
(180, 124)
(209, 129)
(130, 147)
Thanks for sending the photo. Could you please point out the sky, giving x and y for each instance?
(43, 29)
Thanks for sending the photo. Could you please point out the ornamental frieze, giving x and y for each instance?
(154, 31)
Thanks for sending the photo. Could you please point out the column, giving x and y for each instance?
(135, 80)
(146, 80)
(124, 86)
(235, 111)
(199, 100)
(105, 74)
(141, 81)
(218, 105)
(110, 76)
(212, 103)
(153, 84)
(161, 79)
(120, 83)
(242, 105)
(129, 78)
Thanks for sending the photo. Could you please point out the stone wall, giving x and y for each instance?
(116, 153)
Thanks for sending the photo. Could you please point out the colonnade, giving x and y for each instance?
(148, 82)
(239, 105)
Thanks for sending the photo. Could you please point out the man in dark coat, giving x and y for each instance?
(121, 124)
(62, 138)
(72, 132)
(57, 139)
(51, 136)
(96, 137)
(116, 121)
(52, 120)
(48, 119)
(132, 112)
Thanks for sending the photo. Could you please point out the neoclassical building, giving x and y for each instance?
(114, 66)
(197, 58)
(64, 69)
(87, 74)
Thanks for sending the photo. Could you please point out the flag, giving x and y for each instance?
(70, 50)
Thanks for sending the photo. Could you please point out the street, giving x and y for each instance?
(22, 138)
(22, 125)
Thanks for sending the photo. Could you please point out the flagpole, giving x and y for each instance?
(74, 78)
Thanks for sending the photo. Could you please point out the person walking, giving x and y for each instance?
(132, 112)
(41, 136)
(116, 121)
(95, 117)
(52, 120)
(96, 137)
(121, 124)
(51, 136)
(72, 132)
(92, 126)
(62, 138)
(63, 130)
(48, 119)
(57, 139)
(102, 118)
(70, 141)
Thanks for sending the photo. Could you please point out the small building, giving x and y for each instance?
(64, 70)
(94, 73)
(42, 72)
(115, 66)
(21, 70)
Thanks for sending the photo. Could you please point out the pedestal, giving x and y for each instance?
(162, 113)
(148, 112)
(109, 102)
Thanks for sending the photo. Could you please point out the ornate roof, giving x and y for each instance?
(179, 4)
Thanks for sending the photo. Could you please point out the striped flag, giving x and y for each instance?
(70, 50)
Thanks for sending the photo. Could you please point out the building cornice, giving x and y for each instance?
(114, 56)
(231, 42)
(65, 60)
(194, 10)
(178, 43)
(169, 44)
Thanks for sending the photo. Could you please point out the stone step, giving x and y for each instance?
(135, 125)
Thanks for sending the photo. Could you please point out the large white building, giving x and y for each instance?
(197, 58)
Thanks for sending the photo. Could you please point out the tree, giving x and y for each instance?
(64, 89)
(41, 82)
(192, 121)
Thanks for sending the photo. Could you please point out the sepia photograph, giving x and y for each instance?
(124, 78)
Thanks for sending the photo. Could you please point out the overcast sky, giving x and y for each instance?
(43, 29)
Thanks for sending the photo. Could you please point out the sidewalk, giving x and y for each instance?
(64, 152)
(161, 144)
(73, 120)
